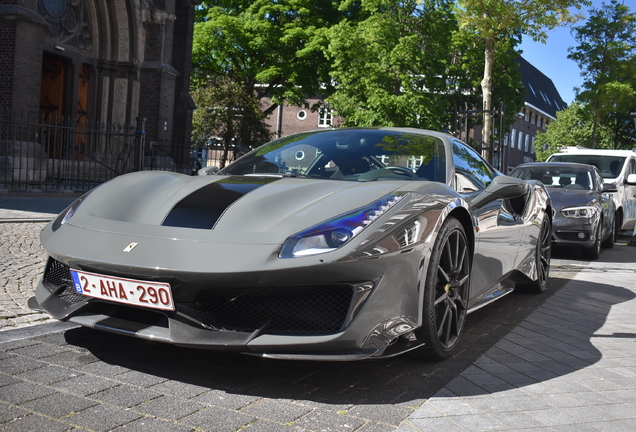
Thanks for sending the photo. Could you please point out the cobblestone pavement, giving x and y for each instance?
(23, 259)
(568, 367)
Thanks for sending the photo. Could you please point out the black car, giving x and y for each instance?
(584, 212)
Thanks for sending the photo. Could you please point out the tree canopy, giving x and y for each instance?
(494, 21)
(606, 54)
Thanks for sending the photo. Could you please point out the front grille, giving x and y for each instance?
(57, 279)
(300, 310)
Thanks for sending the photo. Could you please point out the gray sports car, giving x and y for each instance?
(339, 244)
(584, 211)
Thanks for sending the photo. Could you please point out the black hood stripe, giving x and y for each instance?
(203, 208)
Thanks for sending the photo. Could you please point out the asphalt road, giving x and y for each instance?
(369, 396)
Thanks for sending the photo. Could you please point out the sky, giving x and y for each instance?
(552, 58)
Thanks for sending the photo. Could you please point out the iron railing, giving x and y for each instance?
(50, 154)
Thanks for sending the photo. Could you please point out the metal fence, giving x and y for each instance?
(68, 154)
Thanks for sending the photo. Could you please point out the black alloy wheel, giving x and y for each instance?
(543, 255)
(445, 293)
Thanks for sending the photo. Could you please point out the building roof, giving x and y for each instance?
(540, 90)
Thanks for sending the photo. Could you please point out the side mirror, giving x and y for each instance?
(631, 179)
(610, 187)
(501, 187)
(208, 170)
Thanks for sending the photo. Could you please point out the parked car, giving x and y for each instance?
(584, 212)
(616, 166)
(338, 244)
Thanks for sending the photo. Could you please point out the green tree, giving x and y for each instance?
(390, 64)
(264, 48)
(606, 55)
(571, 128)
(497, 20)
(226, 112)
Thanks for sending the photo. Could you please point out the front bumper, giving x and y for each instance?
(574, 232)
(328, 321)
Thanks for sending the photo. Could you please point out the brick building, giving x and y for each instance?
(99, 60)
(541, 103)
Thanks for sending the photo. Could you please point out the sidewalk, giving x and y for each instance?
(570, 366)
(33, 208)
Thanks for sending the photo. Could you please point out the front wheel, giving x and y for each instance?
(594, 251)
(445, 293)
(611, 239)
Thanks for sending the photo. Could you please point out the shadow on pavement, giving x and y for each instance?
(387, 381)
(554, 341)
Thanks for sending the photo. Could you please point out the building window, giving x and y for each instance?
(324, 117)
(520, 142)
(527, 146)
(301, 115)
(513, 136)
(532, 145)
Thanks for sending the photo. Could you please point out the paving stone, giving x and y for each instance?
(125, 396)
(102, 418)
(275, 410)
(169, 407)
(59, 404)
(177, 388)
(49, 374)
(477, 423)
(328, 421)
(224, 399)
(148, 424)
(9, 412)
(85, 385)
(21, 392)
(35, 423)
(214, 419)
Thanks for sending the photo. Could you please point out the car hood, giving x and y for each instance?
(232, 209)
(562, 198)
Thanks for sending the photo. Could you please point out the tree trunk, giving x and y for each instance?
(486, 89)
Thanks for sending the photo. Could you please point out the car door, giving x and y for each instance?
(499, 225)
(629, 197)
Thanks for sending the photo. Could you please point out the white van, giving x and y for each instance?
(616, 166)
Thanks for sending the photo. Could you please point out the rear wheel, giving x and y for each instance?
(543, 253)
(445, 293)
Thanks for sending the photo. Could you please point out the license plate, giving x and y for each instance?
(129, 291)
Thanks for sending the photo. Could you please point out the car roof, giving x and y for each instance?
(557, 165)
(606, 152)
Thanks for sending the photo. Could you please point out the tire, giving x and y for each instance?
(609, 241)
(594, 251)
(543, 254)
(445, 293)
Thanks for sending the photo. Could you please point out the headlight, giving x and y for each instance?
(584, 212)
(335, 233)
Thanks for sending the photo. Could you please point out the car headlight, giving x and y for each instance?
(335, 233)
(584, 212)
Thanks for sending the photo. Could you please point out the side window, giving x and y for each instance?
(472, 173)
(632, 167)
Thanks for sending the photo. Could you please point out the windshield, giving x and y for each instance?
(348, 154)
(609, 166)
(564, 178)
